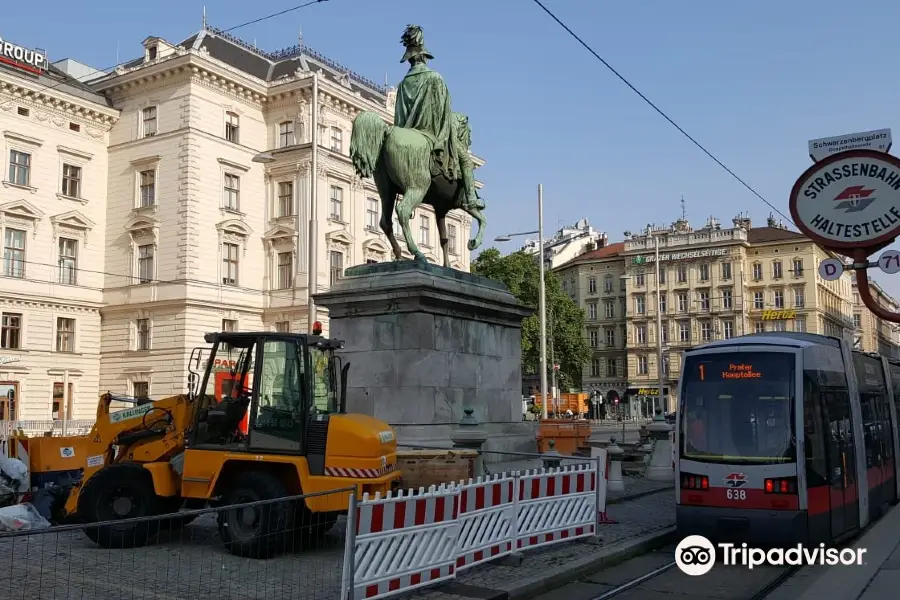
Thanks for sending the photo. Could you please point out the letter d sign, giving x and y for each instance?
(831, 269)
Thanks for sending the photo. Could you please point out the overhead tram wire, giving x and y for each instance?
(229, 30)
(660, 111)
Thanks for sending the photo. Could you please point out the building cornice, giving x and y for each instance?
(56, 101)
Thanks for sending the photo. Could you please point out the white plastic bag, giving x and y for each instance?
(21, 517)
(14, 470)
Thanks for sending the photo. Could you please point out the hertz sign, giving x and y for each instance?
(778, 315)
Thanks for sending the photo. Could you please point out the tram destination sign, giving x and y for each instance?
(849, 200)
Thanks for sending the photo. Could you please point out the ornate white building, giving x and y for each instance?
(52, 226)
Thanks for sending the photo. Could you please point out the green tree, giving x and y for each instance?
(520, 272)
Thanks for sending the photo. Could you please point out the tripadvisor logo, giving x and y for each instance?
(695, 555)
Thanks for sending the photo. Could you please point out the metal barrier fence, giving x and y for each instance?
(41, 428)
(192, 555)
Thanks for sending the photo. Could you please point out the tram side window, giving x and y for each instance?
(814, 424)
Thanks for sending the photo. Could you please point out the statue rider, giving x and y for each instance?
(423, 104)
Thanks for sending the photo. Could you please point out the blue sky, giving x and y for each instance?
(752, 81)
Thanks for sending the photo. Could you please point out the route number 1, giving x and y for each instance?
(889, 262)
(736, 494)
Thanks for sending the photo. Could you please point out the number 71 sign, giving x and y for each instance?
(889, 262)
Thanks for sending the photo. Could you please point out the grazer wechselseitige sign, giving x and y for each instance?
(20, 57)
(849, 200)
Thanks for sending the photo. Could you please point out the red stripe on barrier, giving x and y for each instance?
(496, 496)
(439, 513)
(551, 486)
(393, 585)
(399, 514)
(371, 590)
(479, 497)
(536, 488)
(377, 518)
(415, 579)
(567, 484)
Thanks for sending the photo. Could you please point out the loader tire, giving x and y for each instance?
(120, 491)
(262, 530)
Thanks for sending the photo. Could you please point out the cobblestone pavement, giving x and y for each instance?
(193, 563)
(648, 514)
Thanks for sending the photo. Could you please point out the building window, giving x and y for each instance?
(232, 192)
(779, 325)
(592, 311)
(71, 181)
(758, 300)
(857, 321)
(61, 401)
(640, 334)
(800, 324)
(728, 328)
(19, 167)
(798, 298)
(337, 140)
(639, 279)
(22, 111)
(612, 367)
(148, 188)
(594, 337)
(704, 272)
(285, 270)
(779, 299)
(595, 367)
(145, 263)
(727, 300)
(11, 331)
(232, 126)
(336, 204)
(776, 269)
(684, 332)
(797, 267)
(704, 300)
(662, 303)
(640, 304)
(610, 338)
(229, 325)
(608, 284)
(230, 264)
(68, 261)
(14, 253)
(452, 243)
(726, 270)
(662, 275)
(149, 120)
(665, 333)
(142, 334)
(682, 302)
(285, 199)
(65, 334)
(665, 365)
(757, 271)
(372, 214)
(592, 285)
(336, 266)
(759, 327)
(681, 274)
(140, 389)
(424, 230)
(705, 331)
(285, 134)
(642, 365)
(609, 308)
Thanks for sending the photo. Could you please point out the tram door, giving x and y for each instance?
(841, 456)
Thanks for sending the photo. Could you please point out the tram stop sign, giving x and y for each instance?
(849, 201)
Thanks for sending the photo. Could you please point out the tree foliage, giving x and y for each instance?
(520, 272)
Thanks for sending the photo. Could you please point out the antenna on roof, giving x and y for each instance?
(117, 52)
(204, 17)
(683, 209)
(386, 82)
(300, 36)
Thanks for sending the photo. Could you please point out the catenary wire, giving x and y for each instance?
(660, 111)
(229, 30)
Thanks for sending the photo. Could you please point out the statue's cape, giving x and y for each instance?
(423, 104)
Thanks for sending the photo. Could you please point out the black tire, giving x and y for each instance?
(120, 491)
(171, 506)
(257, 531)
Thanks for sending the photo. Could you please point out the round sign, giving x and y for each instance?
(831, 269)
(889, 262)
(849, 200)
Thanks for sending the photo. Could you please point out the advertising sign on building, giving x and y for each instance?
(879, 140)
(849, 200)
(778, 315)
(20, 57)
(692, 254)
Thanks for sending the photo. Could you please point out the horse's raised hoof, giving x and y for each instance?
(473, 244)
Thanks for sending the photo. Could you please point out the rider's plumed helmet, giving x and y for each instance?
(414, 40)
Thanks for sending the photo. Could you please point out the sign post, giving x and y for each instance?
(849, 203)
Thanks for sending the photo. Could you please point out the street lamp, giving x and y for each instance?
(542, 294)
(264, 158)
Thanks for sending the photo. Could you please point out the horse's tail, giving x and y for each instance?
(366, 141)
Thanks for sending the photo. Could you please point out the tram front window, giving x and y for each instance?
(738, 408)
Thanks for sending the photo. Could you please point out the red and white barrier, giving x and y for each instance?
(405, 541)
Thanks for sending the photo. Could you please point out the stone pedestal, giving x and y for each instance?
(660, 468)
(423, 342)
(470, 436)
(616, 454)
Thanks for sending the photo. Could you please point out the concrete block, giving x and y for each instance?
(422, 368)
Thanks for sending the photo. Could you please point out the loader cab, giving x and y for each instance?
(266, 392)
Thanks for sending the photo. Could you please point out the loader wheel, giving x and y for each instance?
(257, 531)
(120, 491)
(171, 506)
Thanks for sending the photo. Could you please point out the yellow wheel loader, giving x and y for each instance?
(265, 419)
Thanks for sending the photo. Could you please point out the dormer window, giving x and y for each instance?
(151, 53)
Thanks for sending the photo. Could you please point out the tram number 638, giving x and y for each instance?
(736, 494)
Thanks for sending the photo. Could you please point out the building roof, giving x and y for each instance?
(55, 78)
(762, 235)
(609, 251)
(271, 66)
